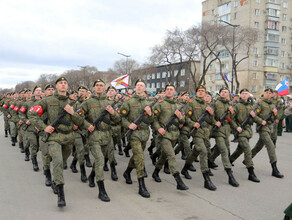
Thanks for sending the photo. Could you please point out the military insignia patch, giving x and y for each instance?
(190, 113)
(80, 112)
(124, 111)
(258, 110)
(156, 112)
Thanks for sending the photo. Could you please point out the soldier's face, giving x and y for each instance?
(88, 94)
(37, 92)
(207, 98)
(201, 93)
(15, 96)
(28, 94)
(62, 86)
(186, 97)
(99, 88)
(111, 93)
(268, 95)
(21, 94)
(170, 91)
(140, 88)
(118, 96)
(49, 91)
(225, 94)
(82, 92)
(244, 95)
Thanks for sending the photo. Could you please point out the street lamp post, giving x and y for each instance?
(233, 52)
(127, 56)
(83, 67)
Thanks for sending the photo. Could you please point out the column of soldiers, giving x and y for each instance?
(93, 123)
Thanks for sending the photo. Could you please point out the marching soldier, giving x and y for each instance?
(265, 108)
(163, 110)
(61, 138)
(139, 133)
(278, 103)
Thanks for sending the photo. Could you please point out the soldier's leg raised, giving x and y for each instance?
(80, 156)
(13, 132)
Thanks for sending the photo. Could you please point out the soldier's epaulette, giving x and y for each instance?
(21, 101)
(110, 99)
(260, 100)
(161, 100)
(128, 98)
(87, 98)
(279, 99)
(191, 100)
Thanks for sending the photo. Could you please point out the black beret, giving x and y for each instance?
(209, 93)
(168, 84)
(49, 86)
(27, 90)
(35, 88)
(62, 78)
(99, 80)
(243, 90)
(224, 88)
(268, 90)
(82, 87)
(201, 87)
(140, 80)
(185, 92)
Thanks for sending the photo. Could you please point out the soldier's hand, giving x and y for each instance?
(8, 116)
(231, 110)
(178, 114)
(20, 122)
(38, 130)
(210, 110)
(49, 129)
(91, 128)
(180, 125)
(252, 113)
(27, 122)
(197, 125)
(239, 129)
(162, 131)
(275, 111)
(68, 108)
(218, 124)
(133, 126)
(148, 110)
(277, 121)
(110, 110)
(264, 123)
(75, 127)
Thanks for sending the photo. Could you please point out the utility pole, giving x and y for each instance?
(127, 56)
(83, 67)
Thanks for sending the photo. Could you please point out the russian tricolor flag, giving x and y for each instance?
(283, 87)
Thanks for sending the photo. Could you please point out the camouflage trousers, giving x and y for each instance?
(96, 151)
(221, 147)
(6, 124)
(59, 154)
(25, 139)
(79, 146)
(20, 136)
(183, 144)
(13, 130)
(137, 160)
(265, 140)
(167, 153)
(46, 158)
(208, 146)
(33, 143)
(243, 147)
(274, 133)
(199, 150)
(108, 151)
(117, 139)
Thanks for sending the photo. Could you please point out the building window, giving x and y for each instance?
(256, 12)
(175, 73)
(283, 41)
(224, 9)
(153, 85)
(255, 50)
(282, 77)
(273, 12)
(183, 72)
(149, 76)
(218, 87)
(158, 75)
(236, 4)
(158, 85)
(254, 89)
(254, 75)
(210, 88)
(284, 28)
(153, 75)
(282, 65)
(168, 75)
(273, 37)
(223, 54)
(210, 78)
(163, 85)
(284, 17)
(271, 62)
(285, 4)
(148, 85)
(256, 25)
(282, 53)
(182, 83)
(255, 63)
(258, 1)
(163, 75)
(271, 51)
(217, 76)
(274, 25)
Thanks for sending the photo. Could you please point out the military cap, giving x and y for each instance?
(110, 87)
(140, 80)
(22, 90)
(185, 92)
(275, 91)
(201, 87)
(224, 88)
(49, 86)
(62, 78)
(268, 90)
(243, 90)
(168, 84)
(99, 80)
(27, 90)
(73, 91)
(35, 88)
(209, 93)
(82, 87)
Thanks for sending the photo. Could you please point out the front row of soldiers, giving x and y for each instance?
(55, 123)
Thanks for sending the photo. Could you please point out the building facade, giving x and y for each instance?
(270, 59)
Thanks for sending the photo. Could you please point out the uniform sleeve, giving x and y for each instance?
(124, 111)
(83, 111)
(189, 112)
(76, 117)
(36, 112)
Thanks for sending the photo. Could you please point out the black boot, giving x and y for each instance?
(105, 167)
(192, 168)
(126, 150)
(6, 133)
(180, 184)
(54, 188)
(102, 193)
(185, 172)
(114, 172)
(48, 175)
(155, 175)
(73, 166)
(153, 157)
(142, 188)
(231, 180)
(91, 182)
(210, 173)
(21, 147)
(196, 160)
(208, 183)
(276, 172)
(252, 176)
(83, 173)
(35, 163)
(120, 150)
(65, 166)
(61, 196)
(166, 168)
(13, 141)
(127, 175)
(145, 173)
(183, 155)
(26, 158)
(88, 162)
(212, 164)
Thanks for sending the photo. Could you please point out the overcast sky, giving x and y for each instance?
(57, 35)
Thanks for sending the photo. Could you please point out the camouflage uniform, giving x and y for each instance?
(278, 104)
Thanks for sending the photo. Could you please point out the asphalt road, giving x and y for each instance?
(23, 194)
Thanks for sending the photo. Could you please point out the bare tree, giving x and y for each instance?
(24, 85)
